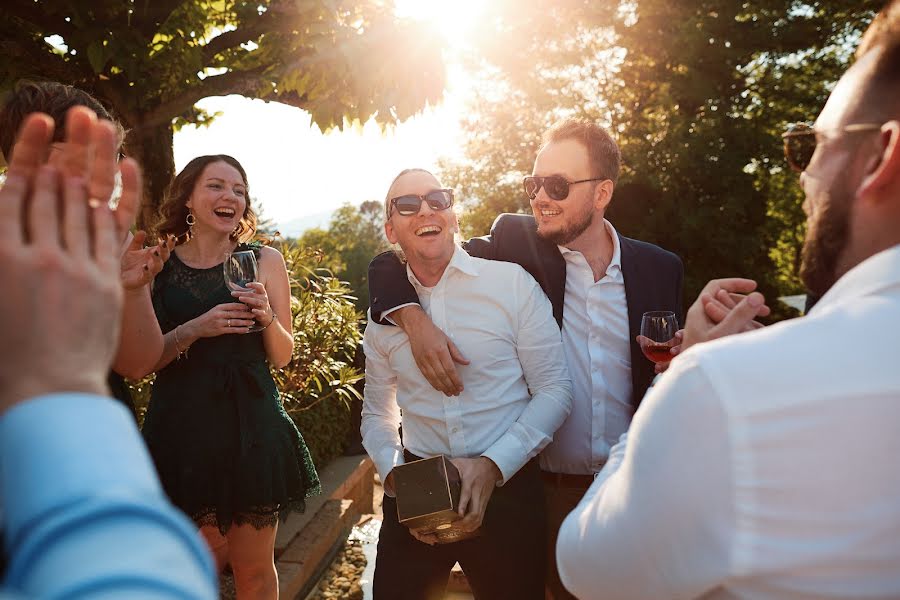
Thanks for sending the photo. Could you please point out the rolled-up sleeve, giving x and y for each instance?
(659, 520)
(380, 423)
(540, 352)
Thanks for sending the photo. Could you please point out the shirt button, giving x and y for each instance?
(454, 430)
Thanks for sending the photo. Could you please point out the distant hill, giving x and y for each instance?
(295, 227)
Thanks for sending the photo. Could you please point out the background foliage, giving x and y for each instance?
(353, 237)
(696, 93)
(317, 386)
(152, 60)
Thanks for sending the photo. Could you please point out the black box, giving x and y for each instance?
(428, 497)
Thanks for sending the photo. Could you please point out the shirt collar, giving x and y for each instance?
(460, 261)
(872, 275)
(615, 263)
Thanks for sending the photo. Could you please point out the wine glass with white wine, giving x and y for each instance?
(240, 269)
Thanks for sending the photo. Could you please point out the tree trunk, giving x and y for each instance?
(151, 146)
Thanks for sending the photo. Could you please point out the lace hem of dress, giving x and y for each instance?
(258, 518)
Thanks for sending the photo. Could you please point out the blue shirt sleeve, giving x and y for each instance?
(83, 512)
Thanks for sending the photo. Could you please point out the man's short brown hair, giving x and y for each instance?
(50, 97)
(884, 29)
(883, 86)
(603, 153)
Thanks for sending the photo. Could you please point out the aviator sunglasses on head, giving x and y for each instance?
(556, 187)
(801, 139)
(409, 204)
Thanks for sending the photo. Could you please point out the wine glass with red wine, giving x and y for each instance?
(658, 335)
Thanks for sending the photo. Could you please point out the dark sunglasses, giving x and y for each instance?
(556, 187)
(410, 204)
(801, 139)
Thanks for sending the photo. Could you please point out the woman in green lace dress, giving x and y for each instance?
(227, 453)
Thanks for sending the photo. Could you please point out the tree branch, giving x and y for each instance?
(39, 61)
(47, 23)
(238, 36)
(149, 15)
(117, 96)
(234, 82)
(294, 99)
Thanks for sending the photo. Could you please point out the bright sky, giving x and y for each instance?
(294, 170)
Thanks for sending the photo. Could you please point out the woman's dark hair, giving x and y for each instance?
(173, 211)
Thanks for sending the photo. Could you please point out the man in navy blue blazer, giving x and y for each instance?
(599, 282)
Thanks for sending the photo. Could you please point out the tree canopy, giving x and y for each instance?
(696, 94)
(150, 61)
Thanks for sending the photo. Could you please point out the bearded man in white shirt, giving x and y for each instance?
(517, 393)
(760, 465)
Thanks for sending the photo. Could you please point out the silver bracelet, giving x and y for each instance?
(178, 345)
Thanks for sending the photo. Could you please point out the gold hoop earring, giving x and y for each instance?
(190, 219)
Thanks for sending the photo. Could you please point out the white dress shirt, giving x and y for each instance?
(84, 513)
(517, 387)
(598, 351)
(762, 465)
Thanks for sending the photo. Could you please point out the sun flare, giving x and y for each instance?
(455, 20)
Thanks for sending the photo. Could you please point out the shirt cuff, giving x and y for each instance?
(385, 315)
(507, 454)
(385, 461)
(61, 446)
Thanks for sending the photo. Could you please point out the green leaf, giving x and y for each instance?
(96, 54)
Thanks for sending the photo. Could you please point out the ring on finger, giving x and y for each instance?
(229, 322)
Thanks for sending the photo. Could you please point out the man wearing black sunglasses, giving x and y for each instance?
(755, 468)
(518, 392)
(599, 283)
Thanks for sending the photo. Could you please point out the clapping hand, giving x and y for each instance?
(724, 307)
(139, 265)
(90, 152)
(58, 253)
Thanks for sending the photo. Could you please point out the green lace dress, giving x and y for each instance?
(225, 449)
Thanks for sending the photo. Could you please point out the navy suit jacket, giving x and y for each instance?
(653, 279)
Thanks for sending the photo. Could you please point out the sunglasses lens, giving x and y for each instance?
(439, 199)
(799, 147)
(407, 205)
(532, 185)
(410, 204)
(557, 188)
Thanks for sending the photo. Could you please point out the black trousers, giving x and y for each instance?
(507, 561)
